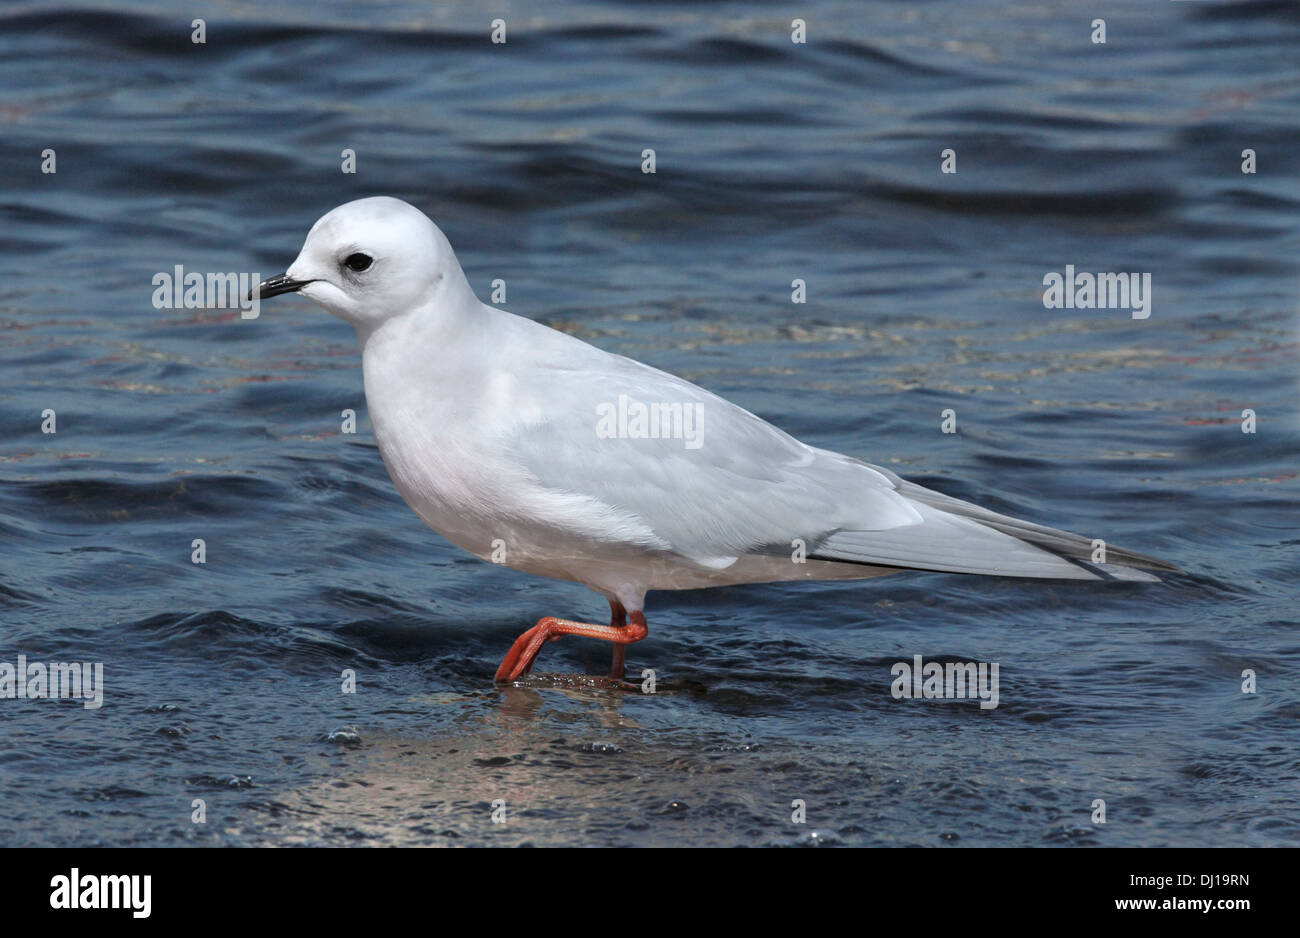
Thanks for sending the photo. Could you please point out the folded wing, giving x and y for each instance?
(722, 483)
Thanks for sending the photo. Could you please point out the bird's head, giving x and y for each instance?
(369, 260)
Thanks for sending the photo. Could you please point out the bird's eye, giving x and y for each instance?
(358, 262)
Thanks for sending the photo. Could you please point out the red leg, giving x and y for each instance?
(519, 660)
(618, 619)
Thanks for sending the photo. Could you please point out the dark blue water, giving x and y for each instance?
(775, 161)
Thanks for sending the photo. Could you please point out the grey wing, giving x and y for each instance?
(727, 485)
(730, 484)
(1060, 546)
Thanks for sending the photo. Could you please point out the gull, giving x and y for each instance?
(530, 448)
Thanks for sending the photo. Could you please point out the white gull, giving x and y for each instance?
(531, 448)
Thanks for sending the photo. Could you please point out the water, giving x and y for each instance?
(775, 161)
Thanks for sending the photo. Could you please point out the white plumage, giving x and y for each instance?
(490, 426)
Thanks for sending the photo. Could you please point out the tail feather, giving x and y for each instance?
(959, 537)
(1061, 543)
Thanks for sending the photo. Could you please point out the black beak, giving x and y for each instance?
(274, 286)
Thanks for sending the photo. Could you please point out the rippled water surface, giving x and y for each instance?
(775, 161)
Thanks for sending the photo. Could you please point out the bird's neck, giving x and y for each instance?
(450, 317)
(442, 341)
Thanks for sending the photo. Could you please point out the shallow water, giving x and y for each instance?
(775, 161)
